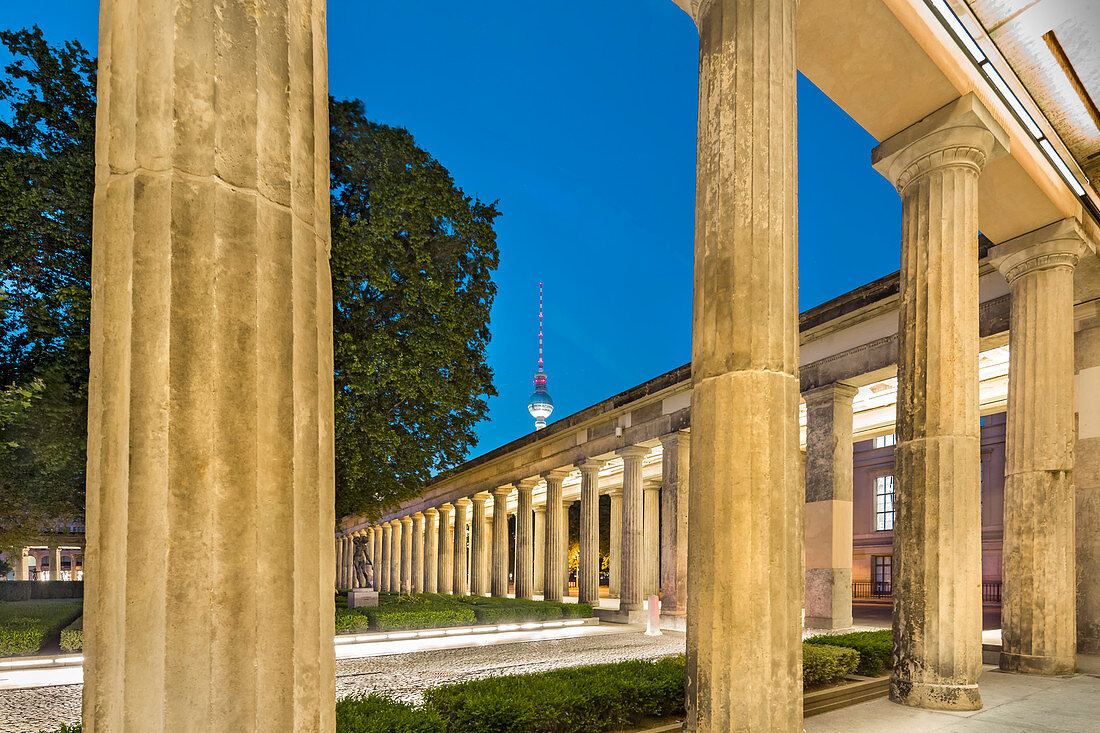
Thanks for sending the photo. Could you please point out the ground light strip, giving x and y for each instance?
(958, 31)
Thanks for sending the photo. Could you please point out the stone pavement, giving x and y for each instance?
(1011, 702)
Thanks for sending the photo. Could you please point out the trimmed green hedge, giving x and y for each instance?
(72, 636)
(378, 714)
(876, 649)
(24, 625)
(391, 619)
(824, 665)
(397, 611)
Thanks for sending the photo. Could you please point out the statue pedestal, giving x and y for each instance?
(362, 598)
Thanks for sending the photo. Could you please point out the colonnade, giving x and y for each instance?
(19, 558)
(461, 548)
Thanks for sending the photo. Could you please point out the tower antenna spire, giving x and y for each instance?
(540, 405)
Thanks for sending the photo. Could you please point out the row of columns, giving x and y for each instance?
(20, 562)
(427, 552)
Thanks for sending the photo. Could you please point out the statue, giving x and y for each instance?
(364, 569)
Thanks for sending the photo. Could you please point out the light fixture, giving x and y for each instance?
(958, 31)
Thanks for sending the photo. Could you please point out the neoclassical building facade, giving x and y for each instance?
(210, 400)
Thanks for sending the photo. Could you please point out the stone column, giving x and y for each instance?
(633, 582)
(55, 563)
(588, 563)
(397, 580)
(417, 584)
(565, 506)
(500, 541)
(210, 433)
(674, 522)
(745, 549)
(615, 565)
(1038, 611)
(538, 550)
(480, 542)
(406, 554)
(336, 575)
(651, 538)
(377, 560)
(431, 550)
(19, 560)
(461, 583)
(524, 532)
(829, 506)
(1087, 477)
(349, 557)
(446, 550)
(340, 575)
(935, 165)
(553, 568)
(387, 556)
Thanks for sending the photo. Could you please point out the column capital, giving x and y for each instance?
(407, 521)
(616, 493)
(835, 392)
(480, 498)
(462, 502)
(675, 437)
(1056, 245)
(962, 132)
(558, 474)
(538, 508)
(501, 493)
(386, 525)
(527, 484)
(633, 451)
(589, 464)
(418, 515)
(431, 512)
(447, 507)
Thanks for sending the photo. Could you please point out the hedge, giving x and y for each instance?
(378, 714)
(876, 652)
(396, 611)
(25, 625)
(824, 665)
(387, 619)
(72, 636)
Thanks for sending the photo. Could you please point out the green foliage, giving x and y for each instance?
(397, 611)
(74, 728)
(72, 636)
(392, 619)
(412, 260)
(576, 700)
(824, 665)
(47, 164)
(25, 624)
(576, 610)
(351, 621)
(875, 649)
(377, 714)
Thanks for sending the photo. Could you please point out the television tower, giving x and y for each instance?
(540, 405)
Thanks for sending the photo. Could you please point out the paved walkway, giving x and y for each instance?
(403, 676)
(1012, 702)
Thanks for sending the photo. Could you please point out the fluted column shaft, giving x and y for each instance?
(417, 583)
(431, 550)
(500, 542)
(524, 533)
(565, 506)
(481, 541)
(936, 573)
(336, 576)
(396, 547)
(651, 539)
(829, 506)
(387, 556)
(614, 566)
(406, 554)
(461, 582)
(588, 563)
(554, 568)
(632, 586)
(538, 549)
(376, 559)
(1038, 612)
(745, 552)
(674, 521)
(210, 431)
(342, 561)
(446, 550)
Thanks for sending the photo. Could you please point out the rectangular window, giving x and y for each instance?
(882, 575)
(884, 441)
(884, 503)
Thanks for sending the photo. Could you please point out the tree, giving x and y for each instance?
(46, 184)
(412, 259)
(412, 264)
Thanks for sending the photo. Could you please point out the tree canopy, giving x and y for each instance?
(412, 263)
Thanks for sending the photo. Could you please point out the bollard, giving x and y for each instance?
(653, 626)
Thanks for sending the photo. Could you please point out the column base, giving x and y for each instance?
(929, 696)
(826, 622)
(1028, 664)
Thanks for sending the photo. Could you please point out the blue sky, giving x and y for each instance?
(580, 118)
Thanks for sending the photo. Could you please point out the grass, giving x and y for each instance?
(24, 625)
(397, 611)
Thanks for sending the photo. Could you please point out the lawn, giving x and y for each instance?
(25, 625)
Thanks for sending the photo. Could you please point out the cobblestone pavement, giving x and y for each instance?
(402, 676)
